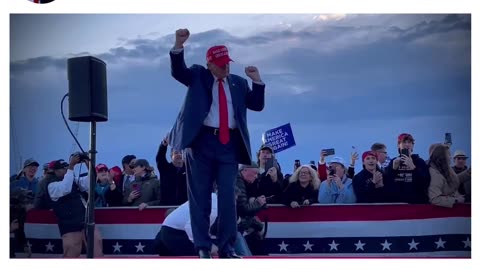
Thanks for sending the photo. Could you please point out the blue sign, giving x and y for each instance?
(280, 138)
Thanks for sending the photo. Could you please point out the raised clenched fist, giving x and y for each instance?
(252, 73)
(181, 35)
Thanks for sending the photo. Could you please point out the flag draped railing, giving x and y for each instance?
(359, 230)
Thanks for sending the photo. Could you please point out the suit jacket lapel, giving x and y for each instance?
(208, 81)
(233, 93)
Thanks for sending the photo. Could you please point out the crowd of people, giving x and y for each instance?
(407, 178)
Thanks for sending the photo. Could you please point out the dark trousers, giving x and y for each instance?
(173, 242)
(209, 161)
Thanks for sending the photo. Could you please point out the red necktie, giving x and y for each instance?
(224, 134)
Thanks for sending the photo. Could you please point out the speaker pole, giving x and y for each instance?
(91, 198)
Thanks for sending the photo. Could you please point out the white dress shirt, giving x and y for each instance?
(56, 190)
(213, 117)
(180, 218)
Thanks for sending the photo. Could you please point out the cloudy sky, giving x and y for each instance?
(340, 80)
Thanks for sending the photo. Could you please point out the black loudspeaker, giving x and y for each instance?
(87, 89)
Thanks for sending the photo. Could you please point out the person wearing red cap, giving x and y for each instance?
(114, 194)
(408, 173)
(103, 184)
(369, 184)
(212, 129)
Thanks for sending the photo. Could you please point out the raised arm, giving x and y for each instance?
(161, 159)
(179, 70)
(256, 97)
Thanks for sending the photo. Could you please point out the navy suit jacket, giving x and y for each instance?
(198, 100)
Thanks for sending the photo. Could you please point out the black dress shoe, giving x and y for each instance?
(204, 254)
(230, 255)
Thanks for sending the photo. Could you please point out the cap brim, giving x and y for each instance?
(336, 163)
(222, 61)
(32, 163)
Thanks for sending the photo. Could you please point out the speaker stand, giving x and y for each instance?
(91, 194)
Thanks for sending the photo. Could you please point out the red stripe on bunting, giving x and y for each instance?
(363, 213)
(280, 214)
(107, 216)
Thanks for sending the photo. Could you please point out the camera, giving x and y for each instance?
(83, 156)
(329, 152)
(448, 138)
(297, 164)
(331, 171)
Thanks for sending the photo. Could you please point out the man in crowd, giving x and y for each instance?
(128, 162)
(270, 180)
(247, 208)
(381, 150)
(460, 165)
(26, 178)
(408, 174)
(369, 184)
(460, 161)
(173, 178)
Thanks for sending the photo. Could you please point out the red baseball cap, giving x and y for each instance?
(368, 153)
(218, 55)
(100, 167)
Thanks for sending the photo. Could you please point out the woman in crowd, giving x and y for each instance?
(303, 188)
(145, 189)
(444, 183)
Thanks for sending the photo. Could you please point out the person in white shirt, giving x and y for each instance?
(64, 197)
(175, 237)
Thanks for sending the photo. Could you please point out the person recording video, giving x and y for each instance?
(63, 194)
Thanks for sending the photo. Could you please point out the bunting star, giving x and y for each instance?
(359, 245)
(117, 247)
(308, 246)
(333, 246)
(140, 247)
(413, 245)
(467, 243)
(49, 247)
(386, 245)
(440, 243)
(283, 246)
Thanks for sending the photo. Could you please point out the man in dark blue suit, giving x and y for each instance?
(211, 128)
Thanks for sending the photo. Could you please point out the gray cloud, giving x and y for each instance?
(147, 49)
